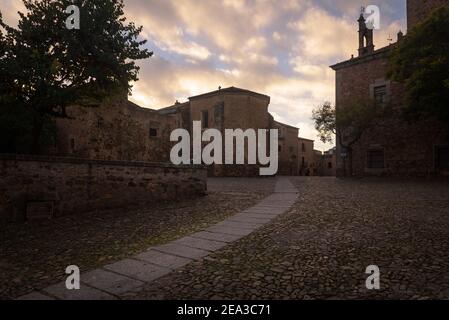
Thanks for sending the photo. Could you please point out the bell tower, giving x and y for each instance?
(366, 36)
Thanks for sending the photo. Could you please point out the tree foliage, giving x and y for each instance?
(349, 121)
(325, 123)
(421, 62)
(46, 67)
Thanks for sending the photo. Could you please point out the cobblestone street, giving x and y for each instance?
(320, 249)
(283, 238)
(35, 255)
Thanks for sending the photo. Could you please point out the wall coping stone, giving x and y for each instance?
(381, 53)
(74, 160)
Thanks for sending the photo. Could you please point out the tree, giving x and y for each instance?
(421, 62)
(347, 123)
(48, 67)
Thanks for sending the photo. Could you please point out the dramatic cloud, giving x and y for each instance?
(279, 48)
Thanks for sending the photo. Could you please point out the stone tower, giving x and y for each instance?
(366, 37)
(418, 10)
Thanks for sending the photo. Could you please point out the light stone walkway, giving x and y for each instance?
(115, 280)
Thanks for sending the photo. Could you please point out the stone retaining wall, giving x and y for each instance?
(33, 187)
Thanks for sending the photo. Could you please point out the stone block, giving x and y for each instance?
(256, 215)
(229, 230)
(163, 259)
(208, 245)
(139, 270)
(110, 282)
(243, 218)
(182, 251)
(84, 293)
(217, 236)
(239, 225)
(266, 210)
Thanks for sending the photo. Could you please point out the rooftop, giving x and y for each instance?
(286, 125)
(378, 54)
(230, 90)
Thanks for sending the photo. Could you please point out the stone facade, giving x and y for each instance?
(35, 187)
(329, 163)
(324, 163)
(231, 108)
(288, 149)
(117, 130)
(121, 130)
(418, 10)
(306, 159)
(393, 147)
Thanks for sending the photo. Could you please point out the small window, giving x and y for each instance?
(329, 165)
(376, 159)
(303, 162)
(442, 157)
(153, 132)
(205, 118)
(280, 148)
(380, 94)
(303, 147)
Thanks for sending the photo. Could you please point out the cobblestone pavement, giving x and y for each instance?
(34, 256)
(321, 248)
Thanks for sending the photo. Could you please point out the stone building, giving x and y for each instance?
(288, 149)
(324, 163)
(121, 130)
(306, 159)
(117, 130)
(394, 147)
(329, 163)
(317, 163)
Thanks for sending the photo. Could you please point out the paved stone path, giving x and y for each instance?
(321, 247)
(116, 279)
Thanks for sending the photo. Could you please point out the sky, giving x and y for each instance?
(281, 48)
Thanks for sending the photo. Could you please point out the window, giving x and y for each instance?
(329, 165)
(380, 94)
(205, 118)
(280, 148)
(153, 132)
(442, 157)
(376, 159)
(303, 162)
(303, 147)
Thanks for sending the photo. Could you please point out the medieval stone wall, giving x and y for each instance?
(39, 186)
(418, 10)
(121, 130)
(232, 111)
(117, 130)
(288, 149)
(409, 148)
(306, 158)
(329, 165)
